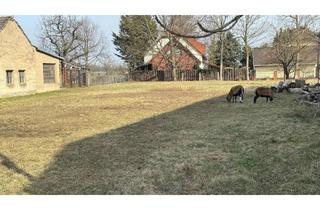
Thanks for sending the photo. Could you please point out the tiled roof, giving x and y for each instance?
(197, 45)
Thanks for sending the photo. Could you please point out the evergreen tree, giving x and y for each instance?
(134, 38)
(213, 48)
(231, 53)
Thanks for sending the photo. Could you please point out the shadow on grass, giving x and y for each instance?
(204, 148)
(10, 165)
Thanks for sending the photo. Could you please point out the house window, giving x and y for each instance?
(9, 74)
(22, 78)
(48, 73)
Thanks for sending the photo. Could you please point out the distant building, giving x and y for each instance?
(24, 69)
(267, 66)
(188, 54)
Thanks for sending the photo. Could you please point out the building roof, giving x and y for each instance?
(197, 45)
(266, 56)
(49, 54)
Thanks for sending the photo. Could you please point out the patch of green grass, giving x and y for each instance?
(248, 163)
(157, 138)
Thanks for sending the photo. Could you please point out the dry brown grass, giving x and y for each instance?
(156, 138)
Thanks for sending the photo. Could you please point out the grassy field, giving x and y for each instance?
(157, 138)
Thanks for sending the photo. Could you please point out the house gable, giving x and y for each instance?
(191, 46)
(156, 49)
(184, 60)
(6, 21)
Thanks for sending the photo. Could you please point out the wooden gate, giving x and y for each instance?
(74, 76)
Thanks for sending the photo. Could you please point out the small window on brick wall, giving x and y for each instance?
(48, 73)
(9, 74)
(22, 77)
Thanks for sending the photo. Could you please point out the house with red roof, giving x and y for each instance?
(187, 54)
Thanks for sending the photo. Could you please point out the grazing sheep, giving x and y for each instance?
(234, 93)
(263, 92)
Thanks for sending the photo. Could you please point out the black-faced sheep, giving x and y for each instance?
(234, 93)
(263, 92)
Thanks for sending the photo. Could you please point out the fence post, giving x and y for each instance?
(88, 77)
(70, 77)
(79, 78)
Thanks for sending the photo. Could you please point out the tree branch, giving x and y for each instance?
(227, 26)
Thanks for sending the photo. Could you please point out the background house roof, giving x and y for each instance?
(266, 56)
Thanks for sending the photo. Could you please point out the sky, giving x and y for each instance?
(107, 23)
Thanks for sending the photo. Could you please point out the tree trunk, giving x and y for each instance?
(221, 60)
(297, 22)
(247, 63)
(174, 72)
(297, 65)
(174, 69)
(286, 73)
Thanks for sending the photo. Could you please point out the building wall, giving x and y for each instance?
(267, 72)
(18, 54)
(42, 58)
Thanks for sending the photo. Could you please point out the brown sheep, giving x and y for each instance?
(263, 92)
(234, 93)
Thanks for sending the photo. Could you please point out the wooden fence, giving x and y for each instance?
(101, 78)
(209, 74)
(78, 78)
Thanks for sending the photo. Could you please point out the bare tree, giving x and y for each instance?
(250, 29)
(76, 39)
(93, 44)
(303, 24)
(206, 31)
(61, 35)
(183, 24)
(286, 49)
